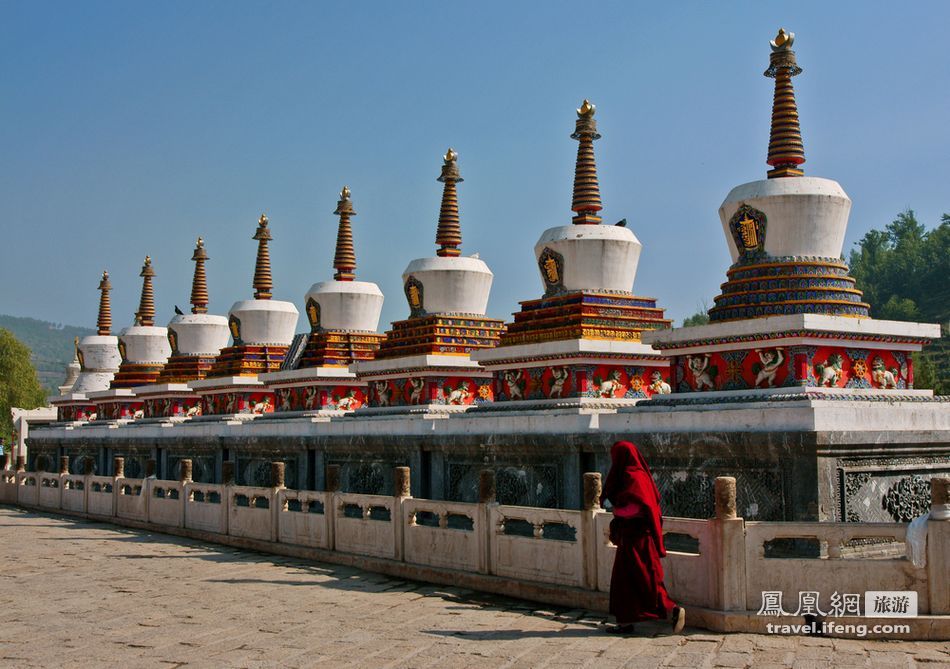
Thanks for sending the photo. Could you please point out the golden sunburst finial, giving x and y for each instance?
(345, 193)
(262, 221)
(783, 40)
(586, 109)
(451, 156)
(148, 260)
(200, 243)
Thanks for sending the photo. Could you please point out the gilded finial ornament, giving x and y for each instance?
(146, 313)
(786, 150)
(783, 40)
(199, 282)
(263, 282)
(449, 233)
(344, 260)
(104, 325)
(586, 201)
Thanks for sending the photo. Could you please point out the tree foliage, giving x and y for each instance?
(19, 386)
(701, 317)
(904, 272)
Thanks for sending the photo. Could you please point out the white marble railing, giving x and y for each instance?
(723, 563)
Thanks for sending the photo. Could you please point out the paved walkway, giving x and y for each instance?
(89, 594)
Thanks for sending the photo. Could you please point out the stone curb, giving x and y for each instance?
(922, 628)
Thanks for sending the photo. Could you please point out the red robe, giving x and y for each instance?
(636, 583)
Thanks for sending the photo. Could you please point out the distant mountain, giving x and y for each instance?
(51, 344)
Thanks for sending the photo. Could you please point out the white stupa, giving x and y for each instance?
(98, 358)
(789, 314)
(262, 330)
(425, 360)
(195, 339)
(344, 315)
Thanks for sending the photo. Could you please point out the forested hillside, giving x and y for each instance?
(51, 345)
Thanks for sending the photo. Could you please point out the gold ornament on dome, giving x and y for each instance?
(783, 40)
(748, 233)
(586, 109)
(550, 270)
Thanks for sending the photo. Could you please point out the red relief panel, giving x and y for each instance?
(347, 398)
(557, 382)
(385, 393)
(464, 391)
(238, 402)
(514, 384)
(610, 381)
(172, 407)
(836, 367)
(766, 367)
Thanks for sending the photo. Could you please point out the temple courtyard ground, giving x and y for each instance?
(89, 594)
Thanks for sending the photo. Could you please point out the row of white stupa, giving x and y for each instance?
(807, 218)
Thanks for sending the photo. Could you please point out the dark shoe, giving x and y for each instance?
(678, 619)
(620, 629)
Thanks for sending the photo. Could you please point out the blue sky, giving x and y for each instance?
(130, 128)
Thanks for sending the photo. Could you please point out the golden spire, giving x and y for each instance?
(199, 283)
(344, 262)
(449, 234)
(586, 201)
(263, 283)
(146, 313)
(105, 307)
(786, 151)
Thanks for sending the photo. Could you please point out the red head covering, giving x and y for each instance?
(630, 482)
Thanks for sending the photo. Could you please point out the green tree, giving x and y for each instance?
(19, 386)
(701, 317)
(903, 271)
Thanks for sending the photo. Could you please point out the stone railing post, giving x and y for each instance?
(938, 546)
(184, 470)
(227, 472)
(487, 494)
(118, 467)
(277, 474)
(332, 478)
(277, 480)
(589, 539)
(401, 492)
(331, 484)
(64, 464)
(727, 557)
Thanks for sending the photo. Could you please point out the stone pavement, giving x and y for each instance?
(89, 594)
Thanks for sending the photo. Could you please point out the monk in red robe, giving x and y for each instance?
(636, 583)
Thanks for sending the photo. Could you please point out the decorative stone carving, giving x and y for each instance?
(907, 499)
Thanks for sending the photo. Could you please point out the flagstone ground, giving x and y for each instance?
(89, 594)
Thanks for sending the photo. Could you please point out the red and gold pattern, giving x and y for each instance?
(804, 366)
(122, 410)
(440, 335)
(316, 397)
(73, 412)
(172, 407)
(573, 380)
(337, 348)
(247, 360)
(584, 315)
(422, 390)
(237, 402)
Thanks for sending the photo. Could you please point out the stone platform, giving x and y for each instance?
(217, 606)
